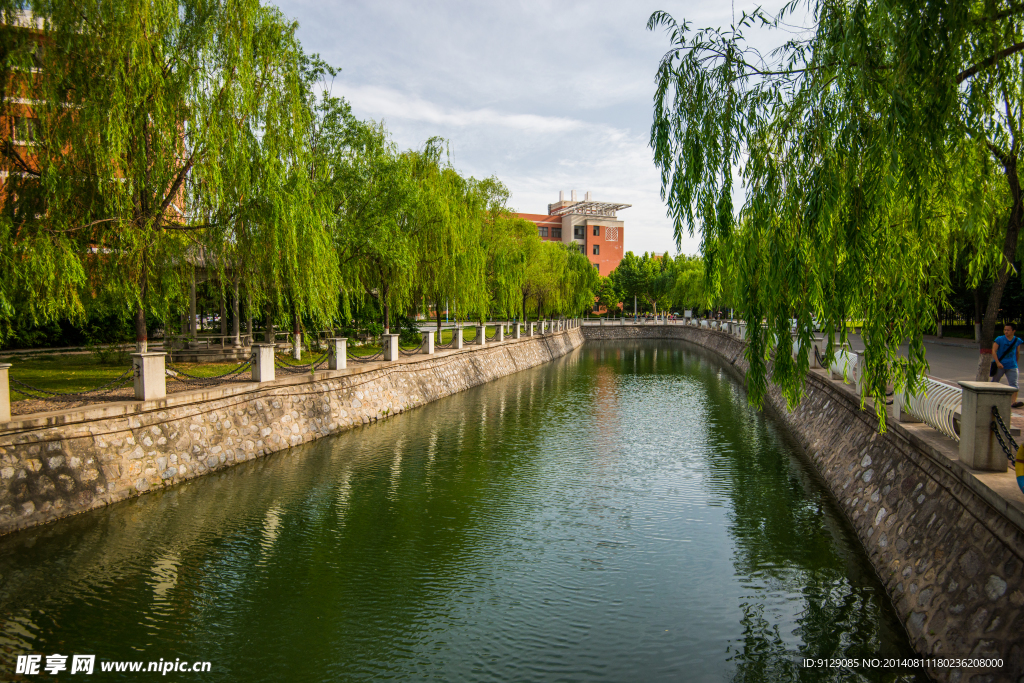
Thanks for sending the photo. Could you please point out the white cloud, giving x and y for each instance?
(547, 95)
(388, 104)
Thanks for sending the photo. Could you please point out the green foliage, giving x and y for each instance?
(877, 150)
(650, 278)
(608, 294)
(168, 132)
(183, 140)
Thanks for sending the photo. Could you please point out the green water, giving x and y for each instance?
(620, 514)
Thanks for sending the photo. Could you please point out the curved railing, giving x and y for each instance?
(938, 405)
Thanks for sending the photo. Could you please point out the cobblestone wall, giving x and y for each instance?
(54, 467)
(951, 563)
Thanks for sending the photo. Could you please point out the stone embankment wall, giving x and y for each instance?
(56, 465)
(950, 561)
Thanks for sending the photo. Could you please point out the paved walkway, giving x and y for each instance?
(949, 359)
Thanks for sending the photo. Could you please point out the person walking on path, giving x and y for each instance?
(1005, 350)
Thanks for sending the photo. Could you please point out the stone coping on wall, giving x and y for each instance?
(111, 409)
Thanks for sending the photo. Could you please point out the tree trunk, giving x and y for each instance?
(988, 324)
(192, 306)
(248, 317)
(235, 319)
(223, 318)
(141, 338)
(268, 334)
(387, 310)
(437, 310)
(977, 313)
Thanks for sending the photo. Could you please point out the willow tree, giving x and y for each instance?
(446, 219)
(561, 280)
(873, 148)
(579, 282)
(374, 234)
(509, 242)
(145, 117)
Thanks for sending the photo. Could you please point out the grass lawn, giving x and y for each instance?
(83, 371)
(59, 372)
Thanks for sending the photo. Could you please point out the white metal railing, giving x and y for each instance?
(847, 365)
(938, 405)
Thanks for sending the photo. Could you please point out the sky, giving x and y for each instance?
(546, 96)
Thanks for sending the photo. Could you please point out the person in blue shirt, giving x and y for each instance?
(1005, 350)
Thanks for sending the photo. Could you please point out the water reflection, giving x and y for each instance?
(620, 514)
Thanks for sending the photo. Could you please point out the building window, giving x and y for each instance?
(556, 233)
(577, 232)
(23, 130)
(597, 268)
(543, 231)
(597, 250)
(582, 248)
(597, 231)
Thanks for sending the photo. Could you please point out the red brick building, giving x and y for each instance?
(591, 225)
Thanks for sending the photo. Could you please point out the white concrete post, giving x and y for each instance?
(458, 337)
(622, 321)
(819, 344)
(518, 331)
(390, 342)
(481, 335)
(150, 376)
(297, 346)
(979, 448)
(263, 363)
(338, 359)
(602, 322)
(428, 342)
(501, 333)
(530, 331)
(5, 393)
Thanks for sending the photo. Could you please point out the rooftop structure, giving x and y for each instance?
(592, 226)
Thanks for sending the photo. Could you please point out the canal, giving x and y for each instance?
(620, 514)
